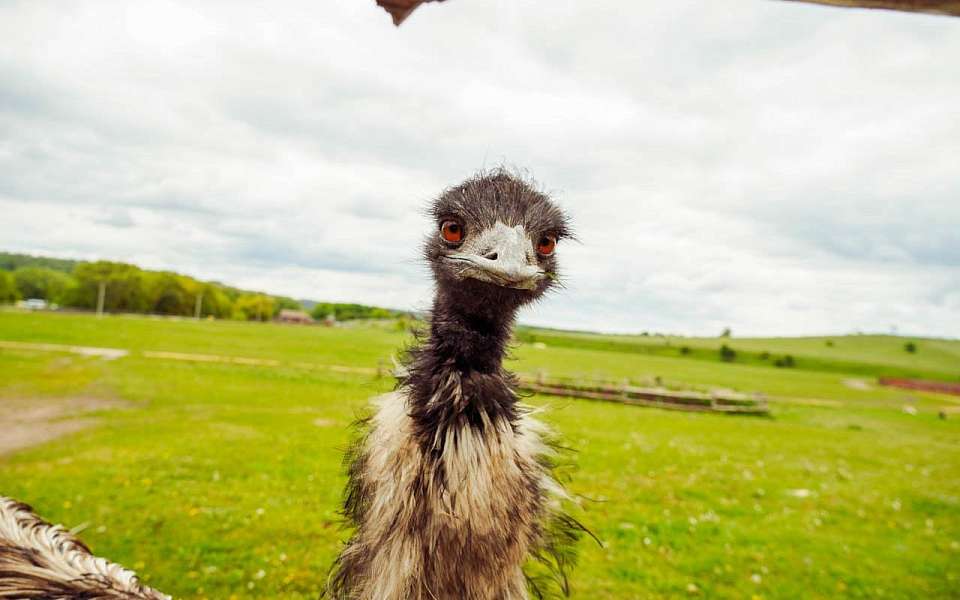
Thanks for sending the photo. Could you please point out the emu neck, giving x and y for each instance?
(456, 377)
(470, 339)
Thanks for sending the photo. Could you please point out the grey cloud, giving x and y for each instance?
(272, 252)
(772, 167)
(117, 218)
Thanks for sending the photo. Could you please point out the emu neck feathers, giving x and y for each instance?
(456, 377)
(474, 340)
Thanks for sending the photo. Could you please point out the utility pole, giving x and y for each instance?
(196, 310)
(101, 296)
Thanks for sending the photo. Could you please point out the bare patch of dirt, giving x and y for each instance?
(27, 422)
(858, 384)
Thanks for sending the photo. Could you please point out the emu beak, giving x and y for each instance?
(505, 261)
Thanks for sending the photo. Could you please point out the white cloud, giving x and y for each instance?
(773, 167)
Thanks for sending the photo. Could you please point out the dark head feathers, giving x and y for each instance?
(498, 195)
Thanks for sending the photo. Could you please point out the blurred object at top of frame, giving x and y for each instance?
(401, 9)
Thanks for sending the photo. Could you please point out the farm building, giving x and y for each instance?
(294, 316)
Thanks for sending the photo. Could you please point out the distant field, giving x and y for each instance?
(221, 480)
(871, 355)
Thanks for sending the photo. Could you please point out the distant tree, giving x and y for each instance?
(684, 350)
(829, 343)
(131, 289)
(254, 307)
(11, 262)
(125, 287)
(216, 302)
(42, 282)
(726, 333)
(322, 309)
(346, 312)
(171, 294)
(785, 362)
(8, 288)
(910, 347)
(727, 354)
(283, 302)
(231, 292)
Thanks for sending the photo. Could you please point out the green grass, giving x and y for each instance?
(222, 480)
(865, 355)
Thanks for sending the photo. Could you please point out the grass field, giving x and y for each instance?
(869, 355)
(221, 480)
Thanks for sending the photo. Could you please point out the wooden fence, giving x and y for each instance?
(691, 401)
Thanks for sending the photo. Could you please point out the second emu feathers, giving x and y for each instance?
(451, 488)
(40, 561)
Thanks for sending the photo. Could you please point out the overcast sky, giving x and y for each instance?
(774, 167)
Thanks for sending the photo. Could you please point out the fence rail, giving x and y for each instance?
(690, 401)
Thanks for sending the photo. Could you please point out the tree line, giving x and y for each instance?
(129, 289)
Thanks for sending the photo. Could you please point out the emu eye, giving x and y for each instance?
(452, 232)
(546, 245)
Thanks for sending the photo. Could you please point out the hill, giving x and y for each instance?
(11, 262)
(866, 355)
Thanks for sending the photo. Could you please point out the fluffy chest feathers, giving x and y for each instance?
(478, 494)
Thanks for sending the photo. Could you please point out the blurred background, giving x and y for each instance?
(765, 288)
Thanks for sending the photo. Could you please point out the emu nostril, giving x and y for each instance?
(490, 256)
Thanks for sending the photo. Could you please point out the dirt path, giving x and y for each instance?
(105, 353)
(115, 353)
(27, 422)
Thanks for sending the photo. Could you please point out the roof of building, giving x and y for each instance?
(289, 314)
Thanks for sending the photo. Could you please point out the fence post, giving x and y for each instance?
(101, 298)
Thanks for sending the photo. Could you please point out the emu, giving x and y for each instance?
(451, 489)
(40, 561)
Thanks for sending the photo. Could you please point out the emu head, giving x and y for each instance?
(493, 245)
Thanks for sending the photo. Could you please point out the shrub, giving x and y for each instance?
(41, 282)
(8, 289)
(684, 350)
(785, 362)
(910, 347)
(254, 307)
(727, 354)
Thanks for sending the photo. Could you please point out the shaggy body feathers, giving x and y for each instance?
(43, 561)
(480, 500)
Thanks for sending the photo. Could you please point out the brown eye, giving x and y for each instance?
(452, 232)
(546, 245)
